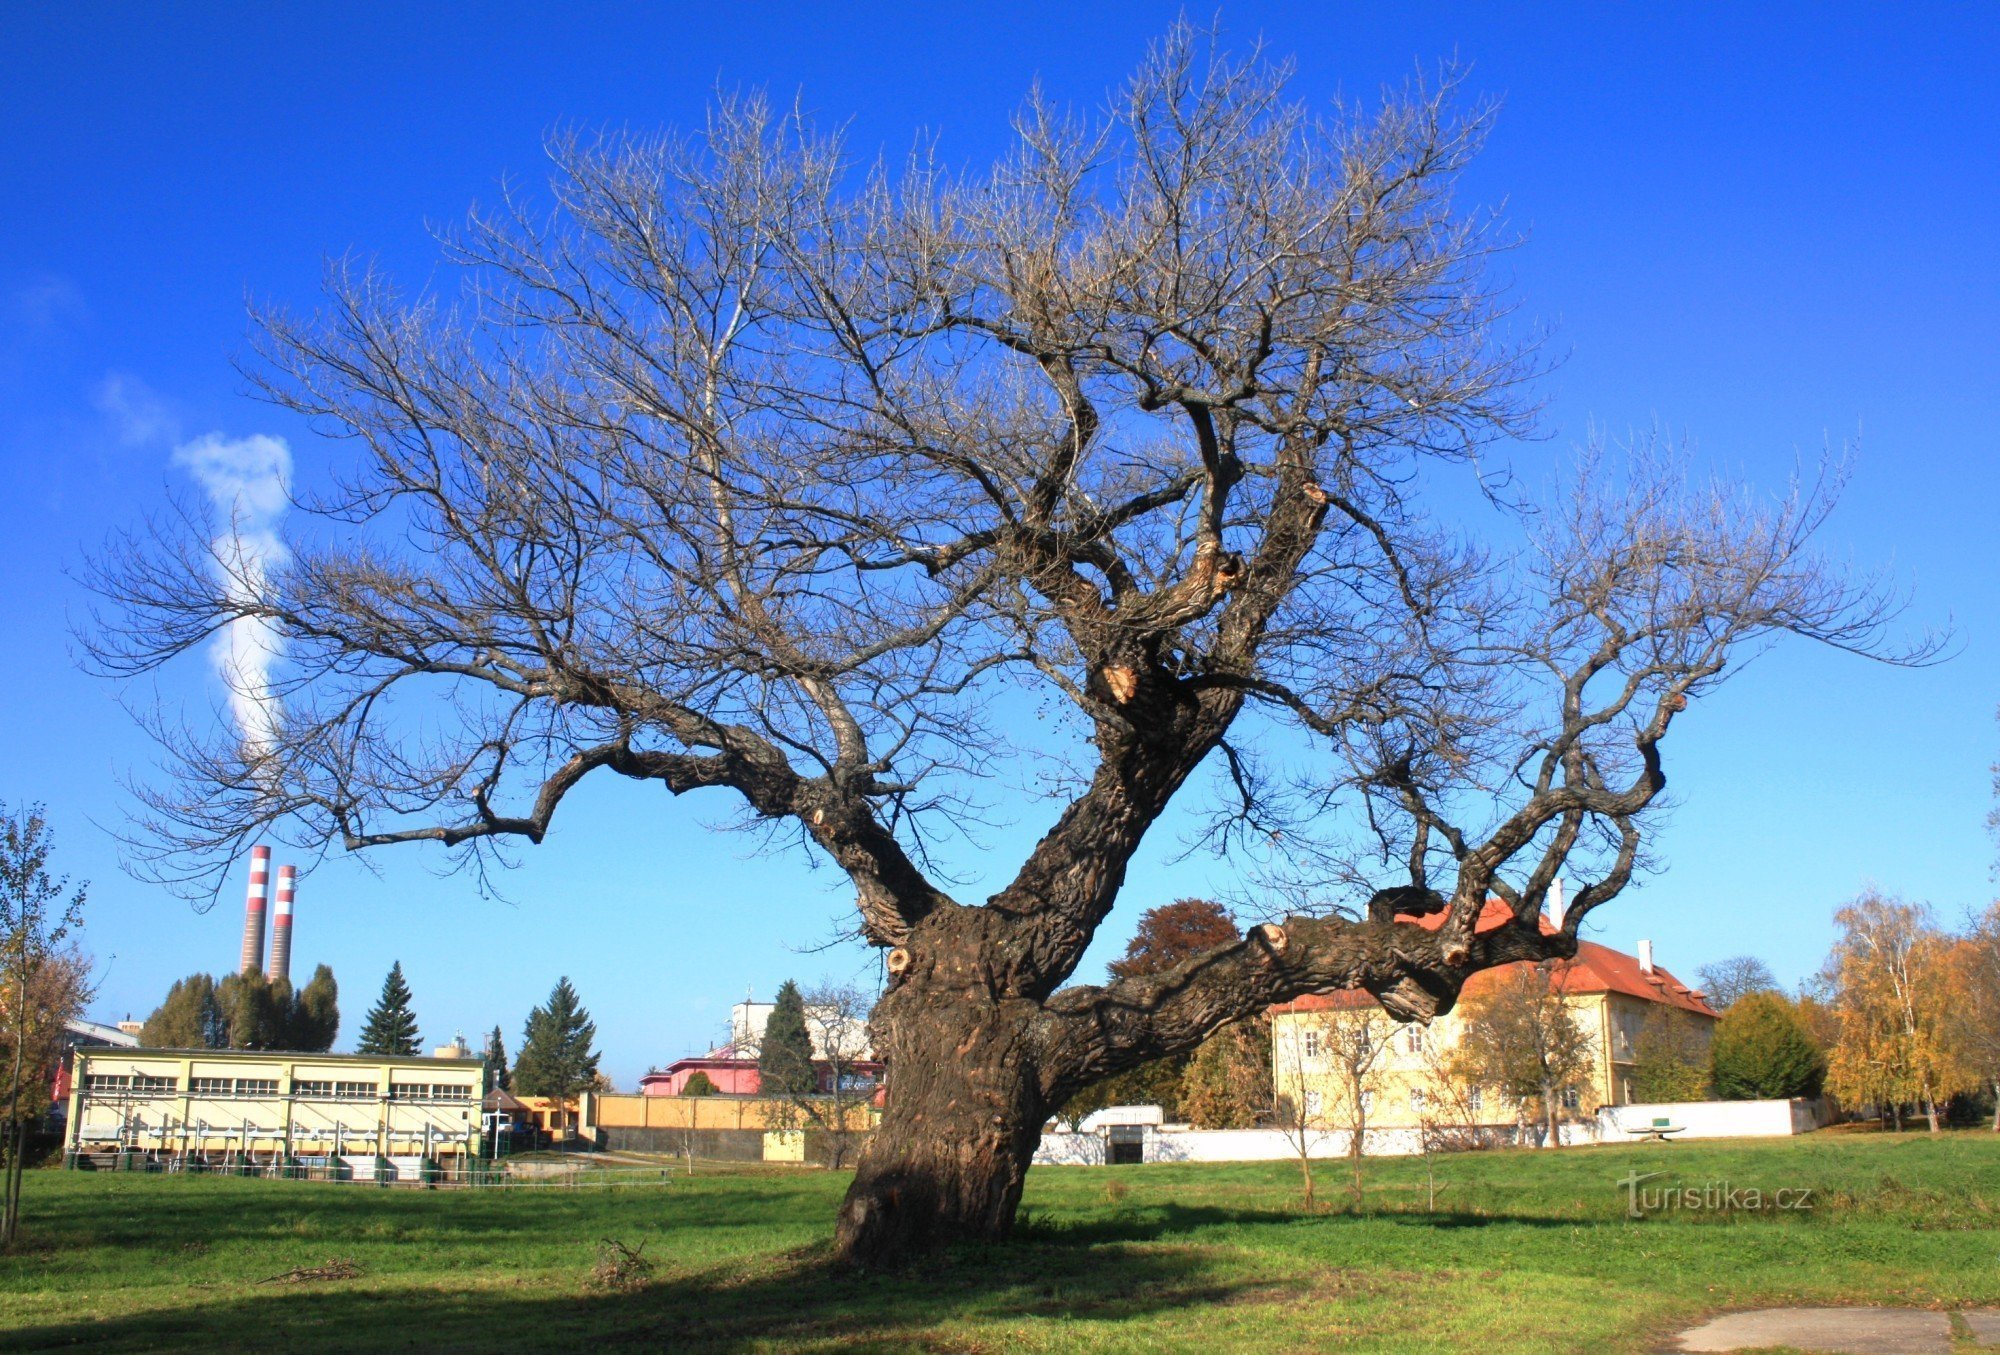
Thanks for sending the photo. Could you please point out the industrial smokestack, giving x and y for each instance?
(281, 924)
(253, 911)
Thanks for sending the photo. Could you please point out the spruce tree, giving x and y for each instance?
(784, 1062)
(391, 1027)
(556, 1057)
(498, 1077)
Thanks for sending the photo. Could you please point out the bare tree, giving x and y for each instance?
(1298, 1109)
(1519, 1035)
(1331, 1058)
(837, 1021)
(1726, 980)
(738, 474)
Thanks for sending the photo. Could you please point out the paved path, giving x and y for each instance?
(1841, 1331)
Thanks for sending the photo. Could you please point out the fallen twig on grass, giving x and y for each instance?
(620, 1267)
(332, 1270)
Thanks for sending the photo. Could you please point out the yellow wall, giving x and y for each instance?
(703, 1112)
(1398, 1070)
(190, 1118)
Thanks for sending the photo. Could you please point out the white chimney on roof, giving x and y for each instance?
(1556, 904)
(1645, 957)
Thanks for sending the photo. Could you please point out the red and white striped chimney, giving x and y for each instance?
(281, 924)
(253, 910)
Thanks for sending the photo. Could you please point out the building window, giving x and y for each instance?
(256, 1086)
(1473, 1099)
(154, 1086)
(107, 1083)
(1312, 1044)
(211, 1086)
(1315, 1104)
(1571, 1099)
(1416, 1100)
(1413, 1039)
(354, 1091)
(321, 1091)
(451, 1091)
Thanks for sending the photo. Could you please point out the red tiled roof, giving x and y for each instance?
(1596, 969)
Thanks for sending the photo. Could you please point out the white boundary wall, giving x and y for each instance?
(1614, 1124)
(1175, 1144)
(1712, 1119)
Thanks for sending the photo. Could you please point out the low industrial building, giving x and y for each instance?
(344, 1114)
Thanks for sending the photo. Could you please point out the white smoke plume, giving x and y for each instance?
(247, 481)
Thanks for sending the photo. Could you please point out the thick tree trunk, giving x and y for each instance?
(961, 1122)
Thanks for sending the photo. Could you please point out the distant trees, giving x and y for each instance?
(1212, 1086)
(189, 1018)
(1671, 1060)
(494, 1058)
(1893, 993)
(1727, 981)
(312, 1018)
(1519, 1036)
(557, 1057)
(1763, 1048)
(785, 1056)
(836, 1017)
(1227, 1084)
(44, 982)
(246, 1011)
(391, 1027)
(1975, 962)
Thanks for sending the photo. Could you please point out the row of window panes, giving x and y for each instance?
(234, 1086)
(137, 1083)
(336, 1091)
(430, 1091)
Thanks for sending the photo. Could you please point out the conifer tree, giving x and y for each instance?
(252, 1011)
(498, 1076)
(189, 1018)
(313, 1020)
(556, 1056)
(1762, 1049)
(391, 1027)
(784, 1061)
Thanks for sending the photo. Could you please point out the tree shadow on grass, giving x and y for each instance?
(797, 1303)
(1146, 1259)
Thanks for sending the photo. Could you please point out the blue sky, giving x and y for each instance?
(1765, 226)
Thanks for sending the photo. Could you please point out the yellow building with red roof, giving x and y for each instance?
(1412, 1078)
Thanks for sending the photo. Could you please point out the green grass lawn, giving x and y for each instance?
(1525, 1251)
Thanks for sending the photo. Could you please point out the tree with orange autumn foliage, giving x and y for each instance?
(1975, 977)
(1893, 994)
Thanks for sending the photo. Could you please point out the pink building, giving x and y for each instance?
(737, 1076)
(732, 1076)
